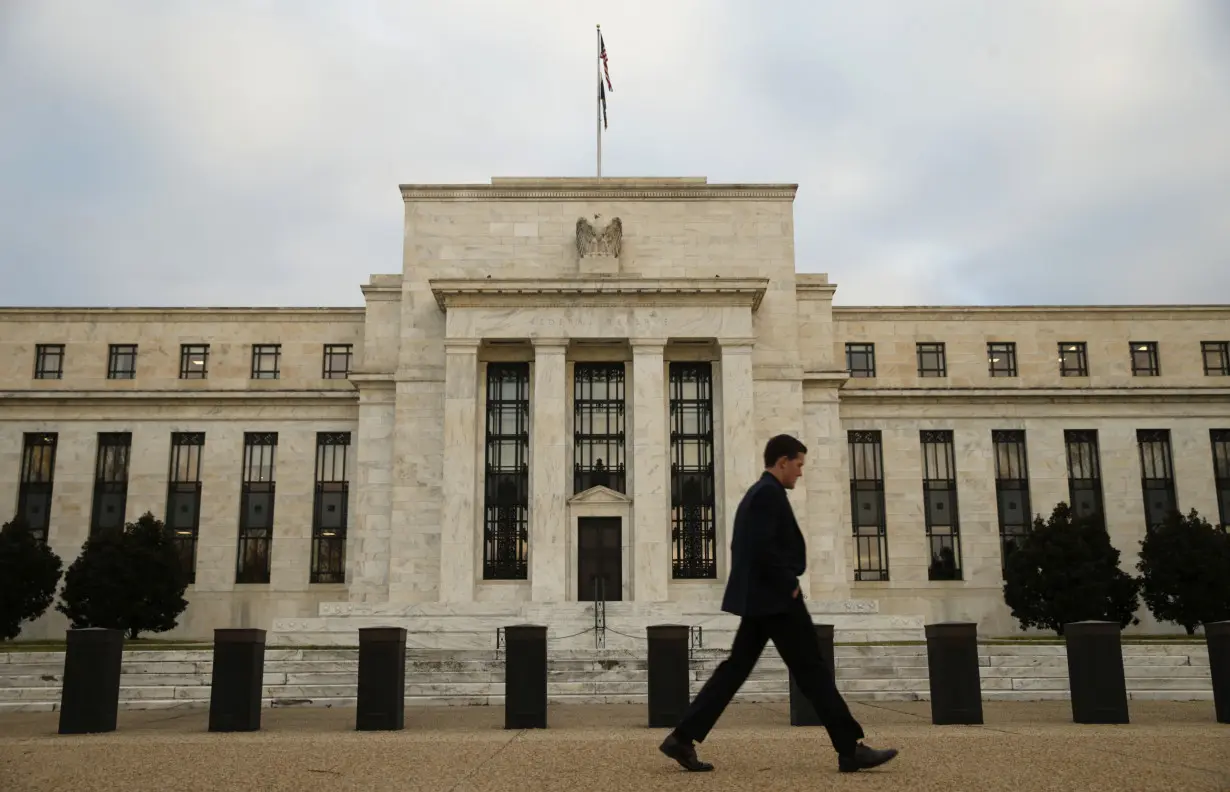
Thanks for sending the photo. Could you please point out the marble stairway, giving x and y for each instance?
(173, 679)
(473, 625)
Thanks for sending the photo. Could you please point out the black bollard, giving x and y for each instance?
(669, 674)
(1217, 637)
(802, 713)
(525, 677)
(952, 667)
(90, 695)
(238, 678)
(1095, 672)
(382, 679)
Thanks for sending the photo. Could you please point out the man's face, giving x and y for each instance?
(790, 470)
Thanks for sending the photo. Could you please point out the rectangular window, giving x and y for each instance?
(506, 474)
(1011, 490)
(1084, 474)
(598, 427)
(1001, 358)
(940, 504)
(1216, 358)
(184, 497)
(193, 361)
(1220, 439)
(110, 481)
(38, 465)
(693, 499)
(337, 361)
(1073, 359)
(1156, 474)
(256, 501)
(49, 361)
(122, 361)
(867, 505)
(861, 360)
(1144, 359)
(932, 361)
(330, 512)
(266, 359)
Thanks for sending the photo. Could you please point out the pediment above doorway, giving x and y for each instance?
(599, 495)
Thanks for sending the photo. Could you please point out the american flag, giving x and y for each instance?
(606, 70)
(606, 67)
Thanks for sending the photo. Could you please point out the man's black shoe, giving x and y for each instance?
(864, 758)
(683, 752)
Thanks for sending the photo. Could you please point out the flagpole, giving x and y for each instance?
(598, 99)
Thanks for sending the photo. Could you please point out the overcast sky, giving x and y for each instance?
(168, 152)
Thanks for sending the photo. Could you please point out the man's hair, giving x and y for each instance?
(782, 445)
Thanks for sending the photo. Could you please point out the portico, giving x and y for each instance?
(562, 334)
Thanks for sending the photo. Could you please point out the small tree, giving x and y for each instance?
(1066, 570)
(1185, 569)
(29, 573)
(129, 579)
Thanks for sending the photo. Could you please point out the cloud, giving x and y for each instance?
(248, 154)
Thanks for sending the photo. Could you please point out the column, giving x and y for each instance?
(742, 458)
(548, 472)
(367, 545)
(651, 560)
(458, 532)
(827, 527)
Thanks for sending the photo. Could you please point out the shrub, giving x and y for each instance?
(1067, 570)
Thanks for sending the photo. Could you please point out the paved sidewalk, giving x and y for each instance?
(1023, 746)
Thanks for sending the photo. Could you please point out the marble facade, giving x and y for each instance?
(659, 271)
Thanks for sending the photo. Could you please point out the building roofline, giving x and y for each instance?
(606, 189)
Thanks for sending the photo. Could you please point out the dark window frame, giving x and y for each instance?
(184, 489)
(1081, 366)
(866, 452)
(122, 361)
(254, 556)
(261, 352)
(1084, 468)
(861, 360)
(506, 473)
(599, 397)
(694, 545)
(332, 492)
(926, 349)
(45, 355)
(1001, 359)
(940, 488)
(329, 358)
(1219, 442)
(1152, 366)
(1157, 481)
(112, 464)
(36, 482)
(186, 354)
(1221, 349)
(1010, 449)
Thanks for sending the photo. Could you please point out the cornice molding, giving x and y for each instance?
(1047, 395)
(1020, 313)
(223, 398)
(62, 315)
(596, 292)
(600, 190)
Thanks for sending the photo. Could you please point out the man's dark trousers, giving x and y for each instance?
(794, 636)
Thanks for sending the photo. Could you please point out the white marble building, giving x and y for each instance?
(571, 381)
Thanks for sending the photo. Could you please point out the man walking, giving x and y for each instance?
(767, 556)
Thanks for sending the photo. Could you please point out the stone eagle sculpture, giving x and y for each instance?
(606, 242)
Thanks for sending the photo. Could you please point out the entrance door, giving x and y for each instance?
(599, 559)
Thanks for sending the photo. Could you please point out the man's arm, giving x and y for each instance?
(770, 560)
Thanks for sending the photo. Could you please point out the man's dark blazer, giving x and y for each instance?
(767, 552)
